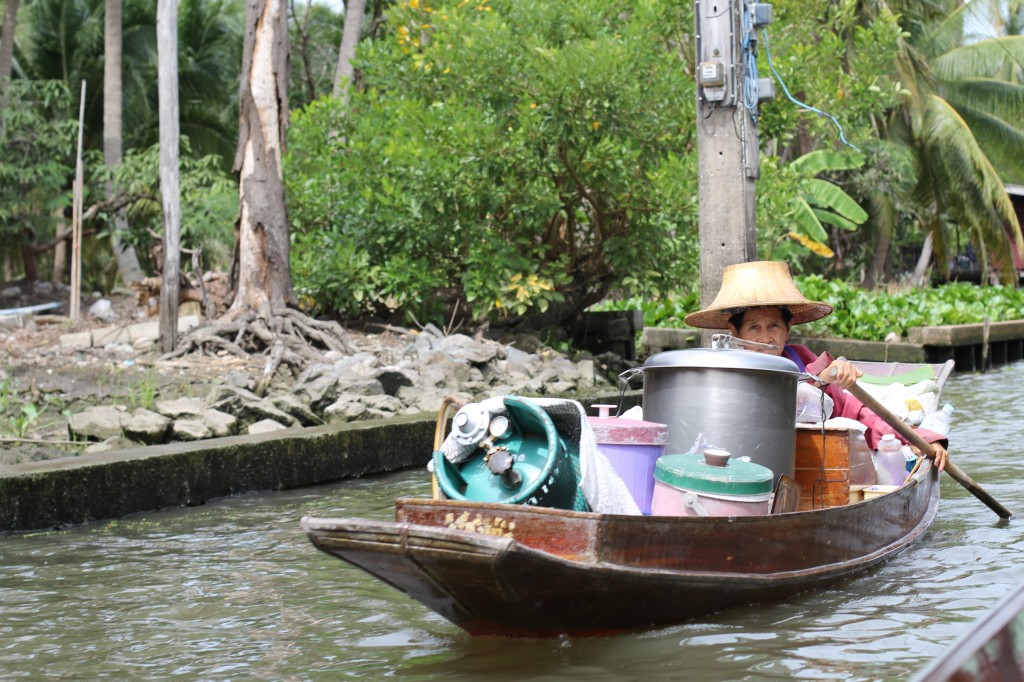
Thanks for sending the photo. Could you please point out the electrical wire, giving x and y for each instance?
(768, 54)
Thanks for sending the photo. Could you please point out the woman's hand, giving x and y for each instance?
(842, 373)
(941, 455)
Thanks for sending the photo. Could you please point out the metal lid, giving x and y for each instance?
(692, 472)
(618, 431)
(722, 358)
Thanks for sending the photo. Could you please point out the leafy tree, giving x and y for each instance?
(37, 136)
(502, 156)
(963, 124)
(829, 57)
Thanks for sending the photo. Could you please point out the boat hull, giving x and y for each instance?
(496, 569)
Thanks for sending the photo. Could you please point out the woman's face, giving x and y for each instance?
(764, 325)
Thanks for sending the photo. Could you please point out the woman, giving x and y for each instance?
(759, 302)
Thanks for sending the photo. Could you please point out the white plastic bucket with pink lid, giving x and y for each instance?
(632, 447)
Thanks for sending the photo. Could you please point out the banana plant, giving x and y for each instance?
(819, 202)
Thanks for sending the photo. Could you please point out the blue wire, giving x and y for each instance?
(750, 88)
(768, 54)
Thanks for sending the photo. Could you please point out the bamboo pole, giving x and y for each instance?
(76, 219)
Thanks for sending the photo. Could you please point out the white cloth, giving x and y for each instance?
(603, 488)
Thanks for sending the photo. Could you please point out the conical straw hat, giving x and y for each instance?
(757, 284)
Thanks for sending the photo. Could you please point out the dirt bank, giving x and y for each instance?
(42, 381)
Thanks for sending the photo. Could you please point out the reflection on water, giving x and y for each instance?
(233, 590)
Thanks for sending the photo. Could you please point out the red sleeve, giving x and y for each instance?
(848, 406)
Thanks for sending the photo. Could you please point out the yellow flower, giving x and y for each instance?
(414, 4)
(533, 105)
(446, 69)
(596, 125)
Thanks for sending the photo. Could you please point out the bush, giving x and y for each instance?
(504, 156)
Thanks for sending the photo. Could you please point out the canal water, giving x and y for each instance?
(233, 590)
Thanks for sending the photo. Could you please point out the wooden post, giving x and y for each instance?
(727, 148)
(76, 219)
(167, 84)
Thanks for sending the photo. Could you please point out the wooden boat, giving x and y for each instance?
(516, 570)
(991, 651)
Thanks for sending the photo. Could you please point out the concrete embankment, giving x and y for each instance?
(61, 492)
(973, 346)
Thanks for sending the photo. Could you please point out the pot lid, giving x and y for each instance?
(693, 472)
(722, 358)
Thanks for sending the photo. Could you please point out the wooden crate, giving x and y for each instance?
(828, 463)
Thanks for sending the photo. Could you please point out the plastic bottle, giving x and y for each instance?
(938, 421)
(890, 465)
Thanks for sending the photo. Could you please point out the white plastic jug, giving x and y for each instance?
(890, 464)
(939, 421)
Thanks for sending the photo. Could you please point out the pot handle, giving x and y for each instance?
(628, 375)
(728, 341)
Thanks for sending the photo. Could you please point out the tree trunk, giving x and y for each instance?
(264, 279)
(167, 83)
(7, 48)
(127, 261)
(884, 218)
(60, 249)
(354, 10)
(918, 280)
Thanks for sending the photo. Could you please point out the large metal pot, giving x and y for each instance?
(735, 400)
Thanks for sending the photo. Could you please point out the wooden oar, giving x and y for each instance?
(925, 447)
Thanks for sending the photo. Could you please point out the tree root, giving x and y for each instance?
(289, 337)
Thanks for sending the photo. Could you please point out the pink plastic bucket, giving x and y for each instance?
(671, 501)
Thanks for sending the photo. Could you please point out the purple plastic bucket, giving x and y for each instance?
(633, 448)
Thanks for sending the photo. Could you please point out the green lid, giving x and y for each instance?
(692, 472)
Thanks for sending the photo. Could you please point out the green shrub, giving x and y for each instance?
(505, 156)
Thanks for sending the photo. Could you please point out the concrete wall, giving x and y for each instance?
(72, 490)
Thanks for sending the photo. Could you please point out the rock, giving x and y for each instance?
(180, 407)
(146, 426)
(190, 428)
(587, 377)
(266, 426)
(346, 409)
(230, 399)
(11, 292)
(114, 443)
(221, 424)
(252, 412)
(393, 378)
(559, 388)
(461, 347)
(292, 406)
(42, 287)
(103, 310)
(96, 423)
(387, 404)
(431, 402)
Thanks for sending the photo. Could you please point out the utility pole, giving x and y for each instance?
(728, 93)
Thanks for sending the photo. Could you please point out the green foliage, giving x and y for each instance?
(502, 155)
(861, 314)
(209, 200)
(832, 58)
(36, 159)
(667, 311)
(63, 40)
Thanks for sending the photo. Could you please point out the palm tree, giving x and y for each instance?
(963, 123)
(124, 253)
